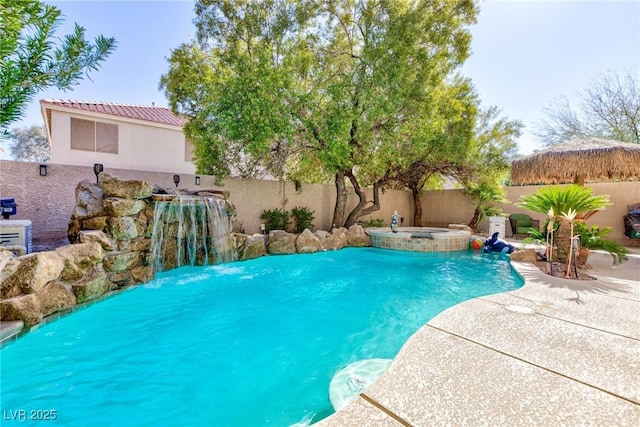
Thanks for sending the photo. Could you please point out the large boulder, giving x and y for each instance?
(142, 274)
(140, 244)
(524, 255)
(89, 199)
(281, 243)
(240, 241)
(24, 307)
(336, 240)
(35, 271)
(251, 246)
(120, 279)
(321, 234)
(98, 236)
(78, 258)
(95, 223)
(55, 296)
(123, 228)
(356, 236)
(114, 187)
(120, 261)
(8, 263)
(307, 243)
(115, 206)
(93, 285)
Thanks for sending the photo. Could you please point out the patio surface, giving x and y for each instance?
(554, 352)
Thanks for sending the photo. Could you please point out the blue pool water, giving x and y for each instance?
(250, 343)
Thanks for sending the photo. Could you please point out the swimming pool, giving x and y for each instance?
(242, 344)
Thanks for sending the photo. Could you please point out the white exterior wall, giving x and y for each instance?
(141, 146)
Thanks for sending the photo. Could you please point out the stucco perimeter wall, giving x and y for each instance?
(48, 201)
(450, 206)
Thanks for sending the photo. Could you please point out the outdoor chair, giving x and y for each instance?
(521, 223)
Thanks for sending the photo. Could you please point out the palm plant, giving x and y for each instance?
(484, 195)
(594, 237)
(563, 199)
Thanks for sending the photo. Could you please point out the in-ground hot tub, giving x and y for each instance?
(420, 239)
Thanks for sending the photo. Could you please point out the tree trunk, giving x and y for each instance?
(474, 221)
(562, 240)
(341, 201)
(417, 208)
(360, 209)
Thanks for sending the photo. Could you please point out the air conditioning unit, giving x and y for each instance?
(15, 235)
(497, 223)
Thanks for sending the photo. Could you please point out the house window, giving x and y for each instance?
(188, 150)
(88, 135)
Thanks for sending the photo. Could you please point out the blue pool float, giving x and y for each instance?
(494, 244)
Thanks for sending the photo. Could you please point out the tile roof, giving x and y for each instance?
(149, 113)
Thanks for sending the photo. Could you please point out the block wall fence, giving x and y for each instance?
(48, 201)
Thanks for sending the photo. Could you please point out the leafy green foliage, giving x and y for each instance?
(30, 144)
(373, 222)
(31, 61)
(276, 219)
(312, 91)
(564, 199)
(297, 221)
(475, 147)
(302, 218)
(484, 195)
(535, 236)
(594, 238)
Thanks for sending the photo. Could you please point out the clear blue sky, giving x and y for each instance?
(525, 54)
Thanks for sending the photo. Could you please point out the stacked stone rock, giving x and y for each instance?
(117, 214)
(36, 285)
(280, 242)
(109, 228)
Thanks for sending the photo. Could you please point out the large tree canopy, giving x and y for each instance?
(316, 89)
(608, 108)
(475, 149)
(32, 58)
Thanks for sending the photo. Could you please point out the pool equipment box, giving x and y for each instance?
(497, 223)
(15, 235)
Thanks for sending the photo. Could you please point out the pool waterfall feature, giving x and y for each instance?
(420, 239)
(190, 230)
(145, 228)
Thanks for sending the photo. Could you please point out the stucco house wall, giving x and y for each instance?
(143, 145)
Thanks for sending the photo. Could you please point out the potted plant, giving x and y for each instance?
(593, 237)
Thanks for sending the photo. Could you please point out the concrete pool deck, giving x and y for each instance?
(554, 352)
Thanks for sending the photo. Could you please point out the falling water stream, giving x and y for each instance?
(191, 230)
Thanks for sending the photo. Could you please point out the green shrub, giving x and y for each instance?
(373, 222)
(276, 219)
(302, 218)
(594, 238)
(537, 236)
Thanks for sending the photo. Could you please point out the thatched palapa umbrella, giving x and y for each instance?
(578, 161)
